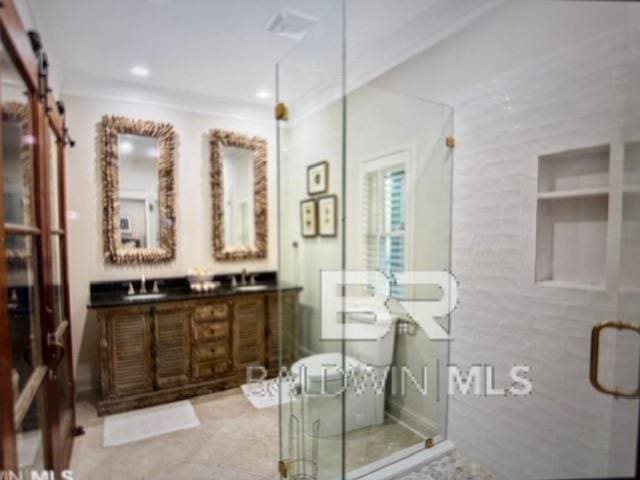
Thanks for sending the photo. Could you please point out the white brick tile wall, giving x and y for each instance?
(580, 97)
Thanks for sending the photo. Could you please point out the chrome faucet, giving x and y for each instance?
(143, 286)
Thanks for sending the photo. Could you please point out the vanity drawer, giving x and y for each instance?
(208, 313)
(203, 370)
(210, 332)
(211, 351)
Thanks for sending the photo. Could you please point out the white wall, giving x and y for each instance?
(318, 137)
(194, 229)
(531, 78)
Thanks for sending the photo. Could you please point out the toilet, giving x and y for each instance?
(319, 379)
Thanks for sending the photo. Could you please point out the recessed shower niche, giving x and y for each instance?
(572, 218)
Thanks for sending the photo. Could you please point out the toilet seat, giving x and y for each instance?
(320, 385)
(325, 365)
(337, 394)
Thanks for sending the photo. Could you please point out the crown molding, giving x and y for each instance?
(438, 22)
(90, 86)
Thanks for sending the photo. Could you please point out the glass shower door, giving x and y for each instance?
(615, 348)
(624, 332)
(399, 173)
(364, 193)
(310, 167)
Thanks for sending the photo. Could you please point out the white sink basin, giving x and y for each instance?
(250, 288)
(145, 296)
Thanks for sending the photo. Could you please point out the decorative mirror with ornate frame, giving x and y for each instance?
(138, 185)
(239, 188)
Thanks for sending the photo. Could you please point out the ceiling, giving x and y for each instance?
(206, 52)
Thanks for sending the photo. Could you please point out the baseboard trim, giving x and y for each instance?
(407, 416)
(83, 380)
(404, 465)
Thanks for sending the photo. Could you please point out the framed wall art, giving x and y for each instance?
(308, 218)
(328, 216)
(318, 178)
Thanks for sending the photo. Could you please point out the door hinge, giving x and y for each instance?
(450, 142)
(283, 469)
(282, 112)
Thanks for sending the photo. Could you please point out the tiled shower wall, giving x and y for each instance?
(578, 98)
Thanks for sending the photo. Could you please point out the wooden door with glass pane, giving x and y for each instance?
(37, 416)
(59, 337)
(24, 348)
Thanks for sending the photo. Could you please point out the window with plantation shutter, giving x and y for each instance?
(384, 210)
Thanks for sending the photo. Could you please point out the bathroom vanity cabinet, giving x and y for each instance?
(162, 352)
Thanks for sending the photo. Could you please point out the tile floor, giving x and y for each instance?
(234, 441)
(452, 466)
(363, 446)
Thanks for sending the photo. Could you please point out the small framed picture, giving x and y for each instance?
(328, 216)
(318, 178)
(125, 225)
(308, 218)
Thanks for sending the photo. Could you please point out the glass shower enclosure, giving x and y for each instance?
(358, 171)
(547, 249)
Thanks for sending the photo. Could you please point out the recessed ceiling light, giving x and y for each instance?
(140, 71)
(263, 94)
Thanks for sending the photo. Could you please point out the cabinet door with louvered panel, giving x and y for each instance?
(171, 332)
(249, 312)
(128, 343)
(289, 323)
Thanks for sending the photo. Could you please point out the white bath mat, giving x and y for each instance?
(149, 422)
(29, 444)
(265, 394)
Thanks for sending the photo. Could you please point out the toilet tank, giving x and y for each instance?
(378, 352)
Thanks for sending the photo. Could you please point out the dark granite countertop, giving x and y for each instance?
(114, 294)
